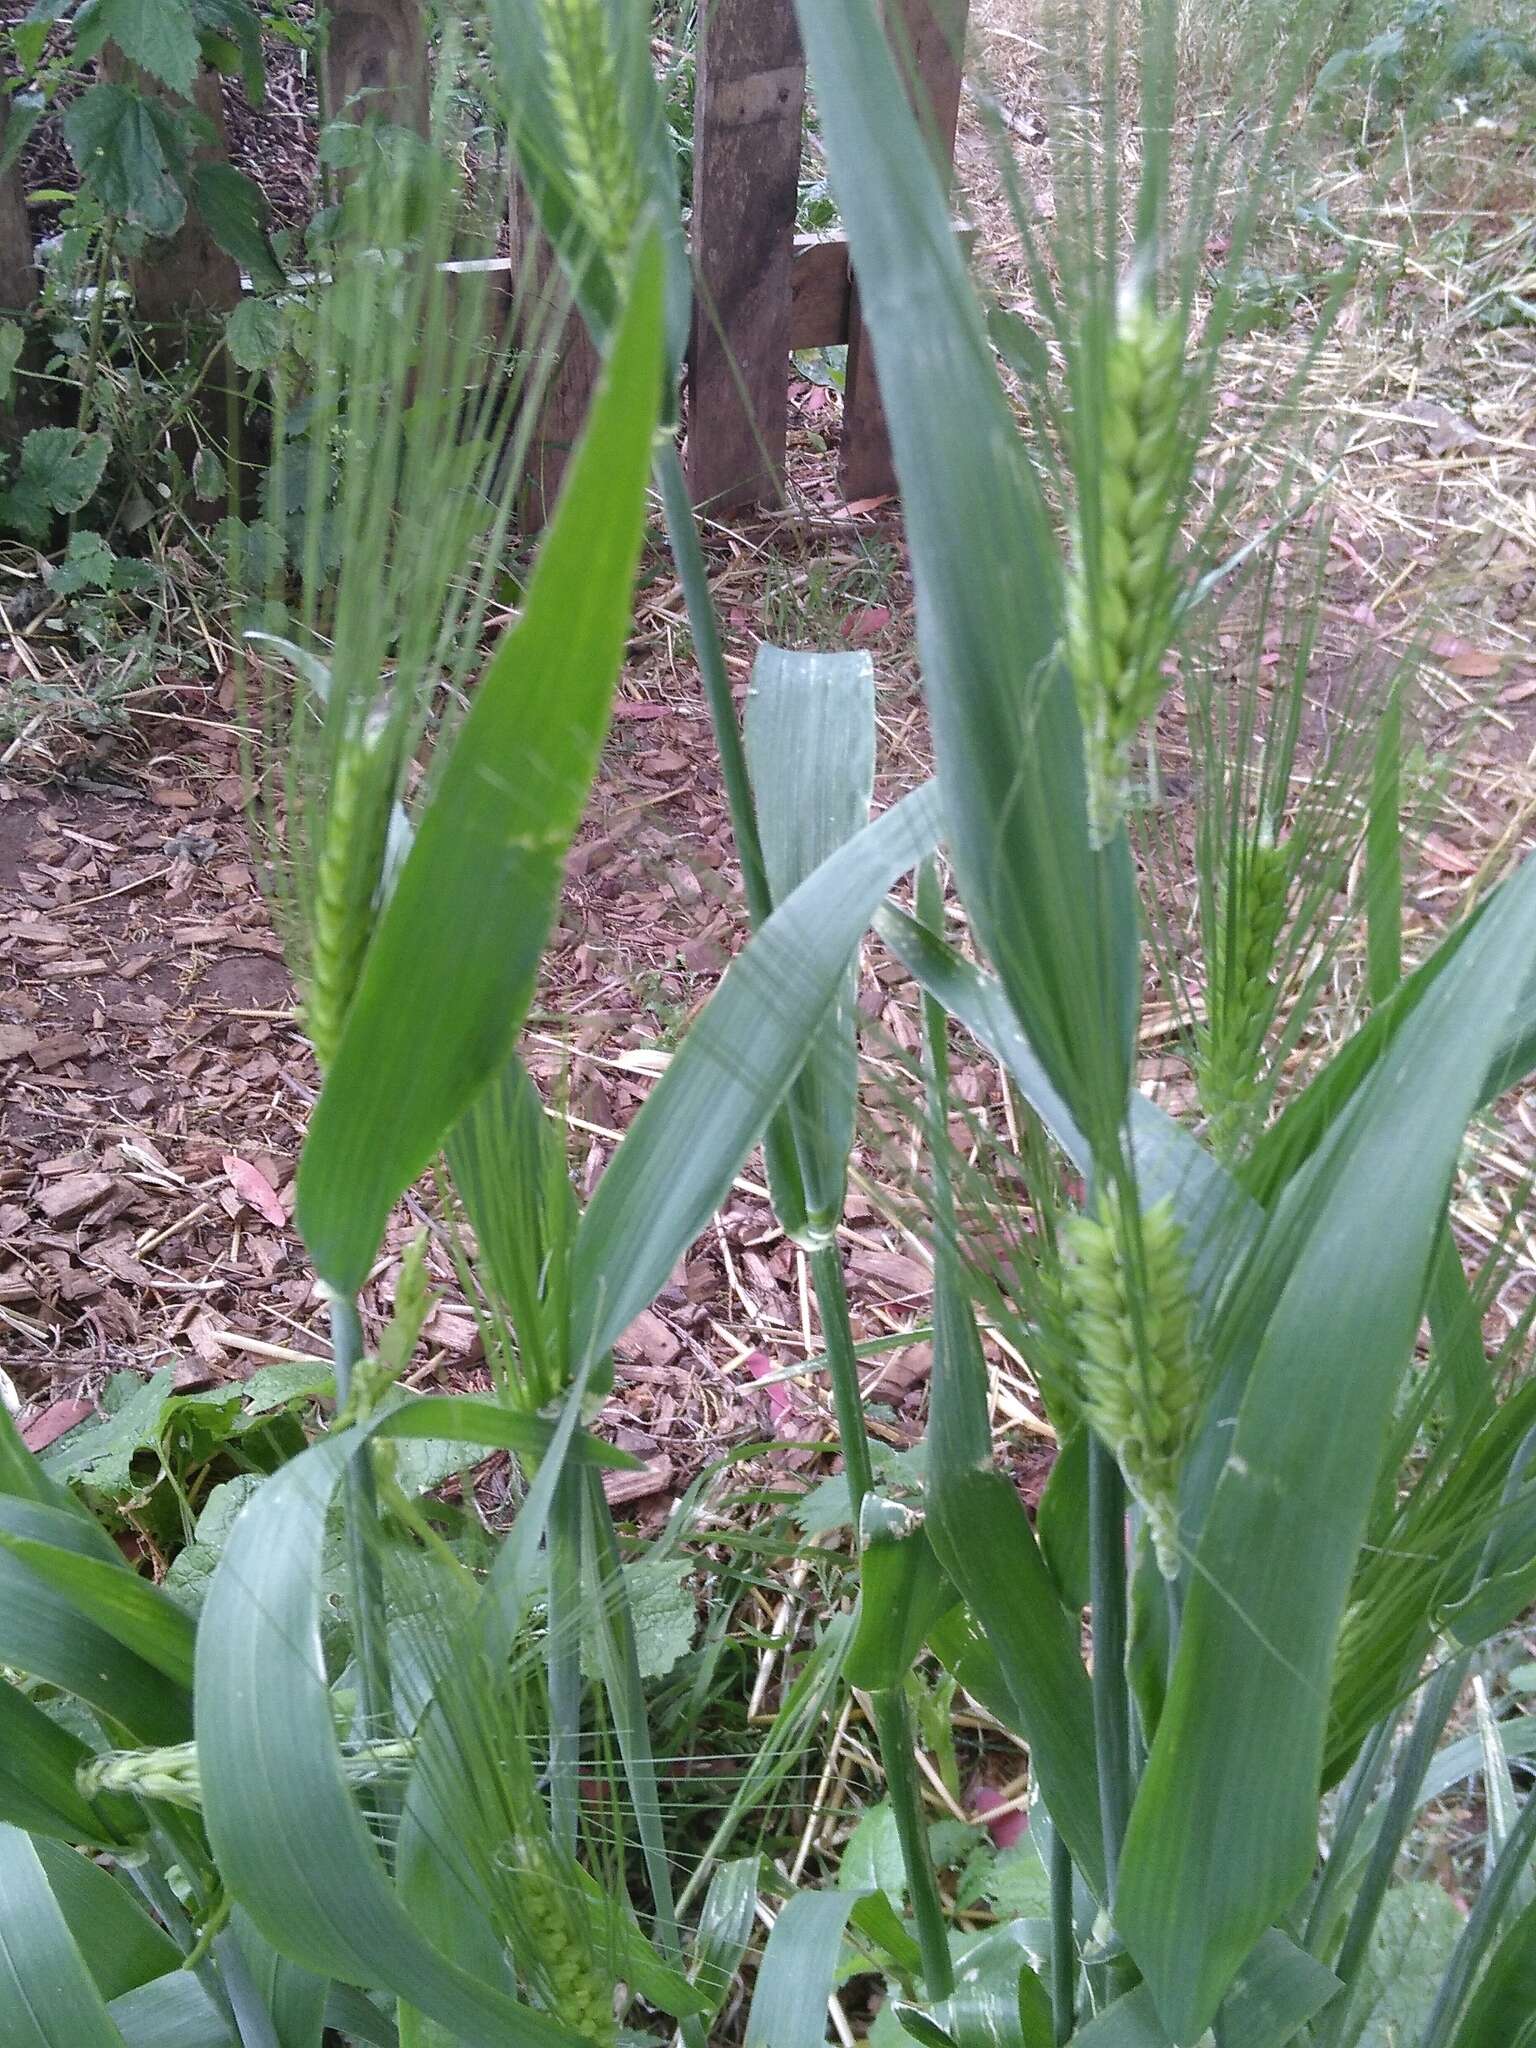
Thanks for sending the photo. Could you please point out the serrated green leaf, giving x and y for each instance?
(101, 1453)
(665, 1617)
(160, 36)
(133, 152)
(1416, 1930)
(57, 473)
(87, 565)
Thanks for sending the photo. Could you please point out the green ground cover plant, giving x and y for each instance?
(376, 1772)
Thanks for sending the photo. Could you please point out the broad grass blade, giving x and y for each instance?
(290, 1841)
(23, 1476)
(999, 2001)
(172, 2012)
(1275, 1994)
(1057, 919)
(118, 1942)
(810, 740)
(729, 1076)
(725, 1928)
(982, 1537)
(131, 1610)
(38, 1790)
(903, 1591)
(799, 1971)
(43, 1633)
(451, 970)
(1223, 1834)
(47, 1996)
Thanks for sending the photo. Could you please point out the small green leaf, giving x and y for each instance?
(101, 1454)
(904, 1592)
(1416, 1930)
(133, 153)
(254, 332)
(87, 565)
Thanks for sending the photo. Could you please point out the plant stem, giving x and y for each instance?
(364, 1567)
(893, 1730)
(1063, 1941)
(563, 1655)
(843, 1366)
(1111, 1713)
(693, 574)
(1434, 1711)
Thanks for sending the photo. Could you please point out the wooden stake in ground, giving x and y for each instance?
(187, 280)
(376, 64)
(18, 272)
(928, 37)
(746, 170)
(549, 328)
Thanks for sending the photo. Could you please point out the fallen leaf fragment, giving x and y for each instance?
(254, 1189)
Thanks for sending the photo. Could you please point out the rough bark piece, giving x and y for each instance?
(820, 293)
(746, 166)
(376, 66)
(928, 38)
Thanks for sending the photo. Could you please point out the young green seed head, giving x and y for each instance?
(1133, 1320)
(1121, 589)
(560, 1954)
(584, 93)
(347, 876)
(1239, 996)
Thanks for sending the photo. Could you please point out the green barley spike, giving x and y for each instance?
(560, 1948)
(584, 93)
(1121, 588)
(1239, 998)
(1137, 1377)
(347, 875)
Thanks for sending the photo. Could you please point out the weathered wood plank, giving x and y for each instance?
(548, 326)
(928, 37)
(376, 65)
(18, 272)
(746, 167)
(820, 293)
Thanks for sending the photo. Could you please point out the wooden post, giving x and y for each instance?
(928, 38)
(746, 175)
(18, 272)
(376, 63)
(187, 279)
(550, 326)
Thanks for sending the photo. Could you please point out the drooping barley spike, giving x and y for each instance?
(347, 874)
(584, 93)
(1239, 998)
(560, 1954)
(1138, 1383)
(1121, 587)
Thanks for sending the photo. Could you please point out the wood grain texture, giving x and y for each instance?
(928, 38)
(549, 326)
(820, 293)
(187, 279)
(18, 272)
(376, 66)
(746, 167)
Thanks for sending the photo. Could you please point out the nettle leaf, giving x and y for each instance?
(160, 36)
(665, 1617)
(133, 152)
(58, 472)
(1419, 1926)
(235, 213)
(254, 334)
(87, 565)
